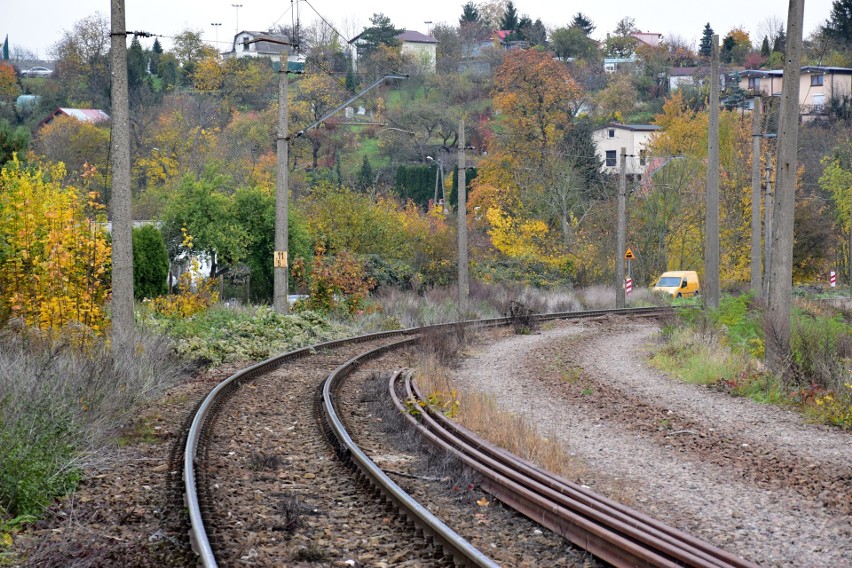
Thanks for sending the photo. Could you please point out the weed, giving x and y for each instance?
(309, 554)
(260, 462)
(523, 322)
(588, 391)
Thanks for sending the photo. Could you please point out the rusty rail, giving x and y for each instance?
(609, 530)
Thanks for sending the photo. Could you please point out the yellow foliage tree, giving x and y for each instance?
(55, 259)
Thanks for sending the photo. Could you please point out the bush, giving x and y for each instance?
(224, 335)
(61, 405)
(150, 263)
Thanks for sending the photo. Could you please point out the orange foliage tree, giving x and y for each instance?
(55, 259)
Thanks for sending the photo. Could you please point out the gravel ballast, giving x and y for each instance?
(754, 479)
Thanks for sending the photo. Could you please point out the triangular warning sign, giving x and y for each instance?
(629, 255)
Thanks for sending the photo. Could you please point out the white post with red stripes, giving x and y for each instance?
(833, 279)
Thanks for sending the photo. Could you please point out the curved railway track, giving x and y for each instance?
(283, 480)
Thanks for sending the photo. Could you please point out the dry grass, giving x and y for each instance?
(479, 413)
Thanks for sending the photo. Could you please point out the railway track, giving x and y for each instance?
(611, 531)
(263, 463)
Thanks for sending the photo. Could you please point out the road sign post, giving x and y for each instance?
(628, 286)
(833, 279)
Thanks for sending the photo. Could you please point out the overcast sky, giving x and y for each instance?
(38, 26)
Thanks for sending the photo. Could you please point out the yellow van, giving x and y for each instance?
(678, 283)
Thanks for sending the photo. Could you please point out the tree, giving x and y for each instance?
(839, 24)
(156, 52)
(365, 174)
(55, 259)
(9, 88)
(203, 208)
(470, 15)
(137, 68)
(189, 49)
(706, 44)
(12, 141)
(510, 21)
(582, 22)
(764, 47)
(573, 43)
(533, 32)
(82, 146)
(381, 32)
(626, 26)
(82, 63)
(537, 98)
(150, 263)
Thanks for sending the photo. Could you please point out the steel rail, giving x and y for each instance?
(609, 530)
(453, 544)
(198, 533)
(206, 410)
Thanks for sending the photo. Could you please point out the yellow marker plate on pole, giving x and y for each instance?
(629, 255)
(280, 257)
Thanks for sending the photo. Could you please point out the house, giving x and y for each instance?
(92, 115)
(501, 38)
(650, 39)
(761, 82)
(615, 64)
(423, 48)
(684, 77)
(634, 138)
(258, 44)
(817, 86)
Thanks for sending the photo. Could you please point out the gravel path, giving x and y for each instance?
(754, 479)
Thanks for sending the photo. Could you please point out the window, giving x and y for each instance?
(818, 102)
(816, 80)
(611, 161)
(642, 157)
(754, 83)
(245, 44)
(611, 133)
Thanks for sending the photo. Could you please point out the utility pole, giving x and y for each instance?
(756, 281)
(120, 209)
(781, 280)
(281, 278)
(768, 207)
(711, 214)
(621, 238)
(464, 286)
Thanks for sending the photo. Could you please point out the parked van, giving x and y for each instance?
(679, 283)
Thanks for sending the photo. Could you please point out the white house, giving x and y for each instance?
(634, 138)
(258, 44)
(423, 48)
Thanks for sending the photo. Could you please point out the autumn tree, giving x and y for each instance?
(82, 146)
(736, 45)
(537, 98)
(317, 95)
(54, 265)
(621, 44)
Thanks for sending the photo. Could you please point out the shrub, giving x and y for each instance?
(150, 263)
(55, 259)
(333, 283)
(60, 405)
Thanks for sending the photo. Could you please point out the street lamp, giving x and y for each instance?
(439, 176)
(237, 6)
(216, 26)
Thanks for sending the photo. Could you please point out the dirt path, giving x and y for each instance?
(754, 479)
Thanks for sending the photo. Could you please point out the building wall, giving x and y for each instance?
(423, 53)
(635, 142)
